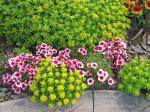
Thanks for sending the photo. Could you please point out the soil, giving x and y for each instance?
(138, 42)
(5, 49)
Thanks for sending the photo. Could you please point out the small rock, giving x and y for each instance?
(2, 99)
(148, 39)
(2, 96)
(9, 93)
(14, 96)
(23, 95)
(5, 90)
(17, 96)
(144, 39)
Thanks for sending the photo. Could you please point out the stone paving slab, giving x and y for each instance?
(84, 104)
(115, 101)
(105, 101)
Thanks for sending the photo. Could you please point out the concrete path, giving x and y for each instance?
(105, 101)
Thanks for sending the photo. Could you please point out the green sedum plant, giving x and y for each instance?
(56, 86)
(62, 23)
(135, 77)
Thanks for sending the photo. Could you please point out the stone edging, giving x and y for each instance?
(105, 101)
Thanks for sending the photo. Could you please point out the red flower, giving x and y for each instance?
(136, 1)
(127, 4)
(137, 9)
(147, 4)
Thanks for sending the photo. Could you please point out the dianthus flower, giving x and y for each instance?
(23, 70)
(83, 51)
(115, 51)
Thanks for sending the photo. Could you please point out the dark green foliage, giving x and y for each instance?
(103, 63)
(135, 77)
(62, 23)
(100, 59)
(21, 50)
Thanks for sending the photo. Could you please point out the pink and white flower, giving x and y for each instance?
(116, 52)
(92, 65)
(100, 72)
(12, 62)
(45, 50)
(83, 51)
(102, 76)
(19, 65)
(88, 73)
(82, 73)
(90, 81)
(16, 89)
(111, 81)
(80, 64)
(67, 50)
(6, 78)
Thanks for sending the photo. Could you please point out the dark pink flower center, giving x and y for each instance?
(110, 81)
(90, 81)
(101, 77)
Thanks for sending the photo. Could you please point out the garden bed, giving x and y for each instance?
(58, 50)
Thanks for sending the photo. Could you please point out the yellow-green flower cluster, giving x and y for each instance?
(56, 86)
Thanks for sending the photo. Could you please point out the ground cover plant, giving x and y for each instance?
(61, 23)
(135, 77)
(56, 85)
